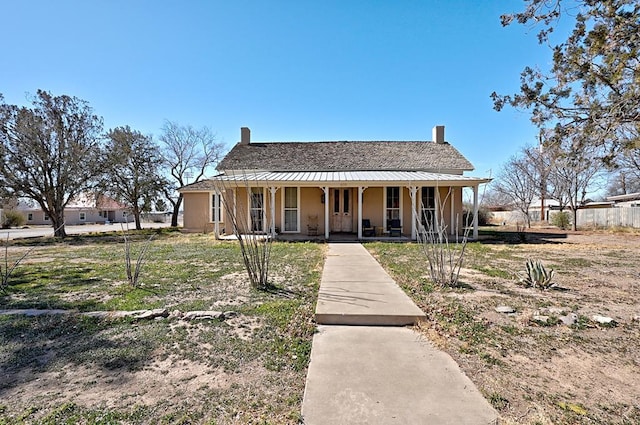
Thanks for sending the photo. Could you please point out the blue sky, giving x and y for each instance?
(289, 70)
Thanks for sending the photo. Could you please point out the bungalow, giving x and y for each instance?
(83, 209)
(323, 188)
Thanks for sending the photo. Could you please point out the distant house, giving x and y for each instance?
(325, 188)
(628, 200)
(85, 209)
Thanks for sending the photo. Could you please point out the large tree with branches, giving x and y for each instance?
(593, 85)
(50, 152)
(188, 154)
(132, 170)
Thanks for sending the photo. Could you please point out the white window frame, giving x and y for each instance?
(215, 208)
(285, 209)
(250, 209)
(82, 216)
(385, 208)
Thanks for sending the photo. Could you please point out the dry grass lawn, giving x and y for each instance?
(533, 372)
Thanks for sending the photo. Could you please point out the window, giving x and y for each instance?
(392, 204)
(257, 209)
(83, 216)
(30, 217)
(216, 208)
(428, 208)
(46, 217)
(291, 215)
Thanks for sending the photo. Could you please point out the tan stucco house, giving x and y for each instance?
(83, 209)
(325, 188)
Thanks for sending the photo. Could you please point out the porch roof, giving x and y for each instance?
(342, 178)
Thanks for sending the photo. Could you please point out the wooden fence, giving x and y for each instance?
(609, 217)
(596, 217)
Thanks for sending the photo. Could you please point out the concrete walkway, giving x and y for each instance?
(375, 373)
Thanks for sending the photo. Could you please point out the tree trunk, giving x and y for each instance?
(176, 211)
(57, 220)
(136, 217)
(574, 225)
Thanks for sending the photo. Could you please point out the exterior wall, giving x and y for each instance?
(373, 206)
(72, 217)
(311, 204)
(197, 217)
(407, 215)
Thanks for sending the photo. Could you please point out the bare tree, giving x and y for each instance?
(188, 153)
(132, 170)
(576, 171)
(519, 181)
(50, 152)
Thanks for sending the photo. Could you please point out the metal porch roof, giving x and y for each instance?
(355, 178)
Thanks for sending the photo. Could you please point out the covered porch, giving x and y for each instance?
(376, 205)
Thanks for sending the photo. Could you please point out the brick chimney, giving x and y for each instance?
(437, 134)
(245, 136)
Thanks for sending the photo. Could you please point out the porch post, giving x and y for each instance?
(361, 190)
(475, 212)
(235, 211)
(216, 220)
(325, 189)
(414, 217)
(272, 229)
(452, 224)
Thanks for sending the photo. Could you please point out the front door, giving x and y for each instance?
(341, 210)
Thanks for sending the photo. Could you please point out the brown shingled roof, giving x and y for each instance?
(342, 156)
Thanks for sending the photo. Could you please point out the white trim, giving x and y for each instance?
(384, 206)
(283, 209)
(263, 207)
(212, 218)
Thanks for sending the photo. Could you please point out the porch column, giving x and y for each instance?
(325, 189)
(235, 212)
(361, 190)
(215, 218)
(272, 222)
(475, 212)
(452, 224)
(414, 217)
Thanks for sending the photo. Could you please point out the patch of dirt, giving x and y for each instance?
(581, 374)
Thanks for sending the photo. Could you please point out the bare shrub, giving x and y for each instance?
(250, 222)
(133, 269)
(445, 257)
(5, 269)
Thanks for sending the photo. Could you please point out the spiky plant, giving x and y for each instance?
(537, 276)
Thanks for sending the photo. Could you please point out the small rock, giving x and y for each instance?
(541, 319)
(556, 310)
(569, 319)
(152, 314)
(230, 314)
(203, 315)
(636, 318)
(176, 314)
(603, 320)
(505, 309)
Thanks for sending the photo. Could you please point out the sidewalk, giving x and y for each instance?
(375, 373)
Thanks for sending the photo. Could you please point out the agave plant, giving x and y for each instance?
(536, 276)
